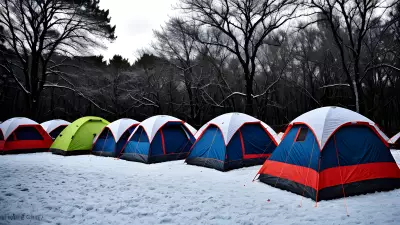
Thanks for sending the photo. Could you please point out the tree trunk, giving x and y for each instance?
(249, 96)
(32, 106)
(356, 96)
(191, 102)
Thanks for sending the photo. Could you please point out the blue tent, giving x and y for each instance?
(158, 139)
(114, 137)
(330, 153)
(232, 141)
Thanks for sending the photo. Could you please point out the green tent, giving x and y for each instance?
(77, 138)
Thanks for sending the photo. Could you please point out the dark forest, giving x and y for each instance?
(270, 59)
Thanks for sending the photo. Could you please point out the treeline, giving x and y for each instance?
(272, 59)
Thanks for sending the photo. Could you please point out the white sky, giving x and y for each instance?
(135, 20)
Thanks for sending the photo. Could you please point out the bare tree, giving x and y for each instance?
(37, 30)
(349, 21)
(174, 44)
(240, 26)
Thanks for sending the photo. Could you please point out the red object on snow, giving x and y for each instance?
(22, 135)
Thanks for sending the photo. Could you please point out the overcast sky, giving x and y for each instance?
(135, 20)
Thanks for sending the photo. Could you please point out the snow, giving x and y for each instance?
(98, 190)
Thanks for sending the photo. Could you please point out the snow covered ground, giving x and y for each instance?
(51, 189)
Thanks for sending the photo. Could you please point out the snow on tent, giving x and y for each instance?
(395, 141)
(113, 137)
(332, 152)
(158, 139)
(20, 135)
(77, 138)
(54, 127)
(231, 141)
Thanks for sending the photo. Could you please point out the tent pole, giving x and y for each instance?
(305, 180)
(319, 167)
(266, 159)
(287, 157)
(341, 177)
(104, 143)
(180, 151)
(120, 154)
(209, 148)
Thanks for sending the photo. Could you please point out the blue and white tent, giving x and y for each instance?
(114, 137)
(158, 139)
(233, 140)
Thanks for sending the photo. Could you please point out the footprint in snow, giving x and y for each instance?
(166, 220)
(143, 214)
(108, 210)
(174, 206)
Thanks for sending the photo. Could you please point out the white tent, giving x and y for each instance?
(21, 135)
(51, 125)
(229, 123)
(326, 120)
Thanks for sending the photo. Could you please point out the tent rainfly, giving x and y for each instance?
(77, 138)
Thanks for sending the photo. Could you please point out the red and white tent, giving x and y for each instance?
(21, 135)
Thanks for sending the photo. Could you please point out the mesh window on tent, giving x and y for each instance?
(57, 131)
(106, 134)
(302, 134)
(27, 133)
